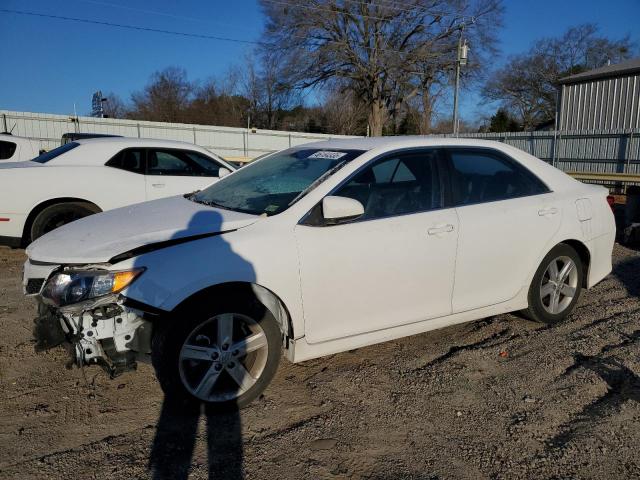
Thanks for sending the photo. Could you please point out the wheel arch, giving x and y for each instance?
(247, 290)
(47, 203)
(581, 249)
(585, 257)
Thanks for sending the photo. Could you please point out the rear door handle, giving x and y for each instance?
(158, 185)
(547, 211)
(440, 229)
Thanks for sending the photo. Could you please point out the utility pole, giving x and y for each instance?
(461, 59)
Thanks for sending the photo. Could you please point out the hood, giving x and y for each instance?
(98, 238)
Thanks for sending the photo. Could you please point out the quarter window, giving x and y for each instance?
(7, 149)
(482, 176)
(397, 185)
(131, 160)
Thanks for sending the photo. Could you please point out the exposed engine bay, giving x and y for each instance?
(107, 334)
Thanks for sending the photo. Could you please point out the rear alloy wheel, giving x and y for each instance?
(59, 214)
(556, 286)
(225, 358)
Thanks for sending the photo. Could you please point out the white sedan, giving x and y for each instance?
(316, 250)
(89, 176)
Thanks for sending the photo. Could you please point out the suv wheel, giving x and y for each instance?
(225, 357)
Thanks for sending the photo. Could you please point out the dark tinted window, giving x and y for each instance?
(56, 152)
(397, 185)
(131, 160)
(7, 149)
(484, 176)
(179, 163)
(209, 167)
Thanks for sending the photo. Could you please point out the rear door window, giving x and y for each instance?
(484, 175)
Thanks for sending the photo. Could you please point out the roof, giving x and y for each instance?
(370, 143)
(617, 70)
(148, 142)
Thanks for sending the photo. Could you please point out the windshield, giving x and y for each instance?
(56, 152)
(274, 183)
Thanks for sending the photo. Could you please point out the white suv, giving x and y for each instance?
(316, 250)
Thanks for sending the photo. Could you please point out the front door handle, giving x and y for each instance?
(547, 211)
(158, 185)
(440, 229)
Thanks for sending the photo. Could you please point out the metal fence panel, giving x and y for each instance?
(614, 151)
(598, 151)
(47, 129)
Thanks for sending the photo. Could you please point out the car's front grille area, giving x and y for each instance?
(34, 285)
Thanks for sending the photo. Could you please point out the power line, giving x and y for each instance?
(417, 8)
(132, 27)
(182, 34)
(163, 14)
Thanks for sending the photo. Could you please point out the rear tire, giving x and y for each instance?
(195, 363)
(556, 286)
(58, 214)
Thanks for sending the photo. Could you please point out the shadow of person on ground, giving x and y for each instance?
(175, 439)
(177, 428)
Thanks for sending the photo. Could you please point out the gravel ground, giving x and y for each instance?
(498, 398)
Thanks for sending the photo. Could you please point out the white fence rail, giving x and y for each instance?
(614, 151)
(228, 142)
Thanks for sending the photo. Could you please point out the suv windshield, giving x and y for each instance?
(56, 152)
(274, 183)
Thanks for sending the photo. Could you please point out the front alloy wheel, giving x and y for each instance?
(224, 356)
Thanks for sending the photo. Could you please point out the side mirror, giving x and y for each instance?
(336, 209)
(223, 172)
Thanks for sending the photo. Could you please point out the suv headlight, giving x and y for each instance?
(69, 287)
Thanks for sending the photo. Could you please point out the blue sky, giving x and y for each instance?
(48, 64)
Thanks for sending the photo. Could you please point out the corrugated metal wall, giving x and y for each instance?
(225, 141)
(611, 103)
(616, 151)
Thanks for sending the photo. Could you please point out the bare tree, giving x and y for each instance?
(343, 113)
(262, 82)
(527, 85)
(216, 102)
(114, 107)
(375, 47)
(166, 98)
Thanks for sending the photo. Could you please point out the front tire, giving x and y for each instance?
(223, 356)
(556, 286)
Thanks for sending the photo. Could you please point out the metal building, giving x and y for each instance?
(606, 98)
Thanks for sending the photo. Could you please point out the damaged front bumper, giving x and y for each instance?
(106, 331)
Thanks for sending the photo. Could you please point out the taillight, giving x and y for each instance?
(611, 200)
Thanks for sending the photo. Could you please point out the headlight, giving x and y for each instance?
(70, 287)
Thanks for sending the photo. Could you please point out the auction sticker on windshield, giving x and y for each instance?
(325, 154)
